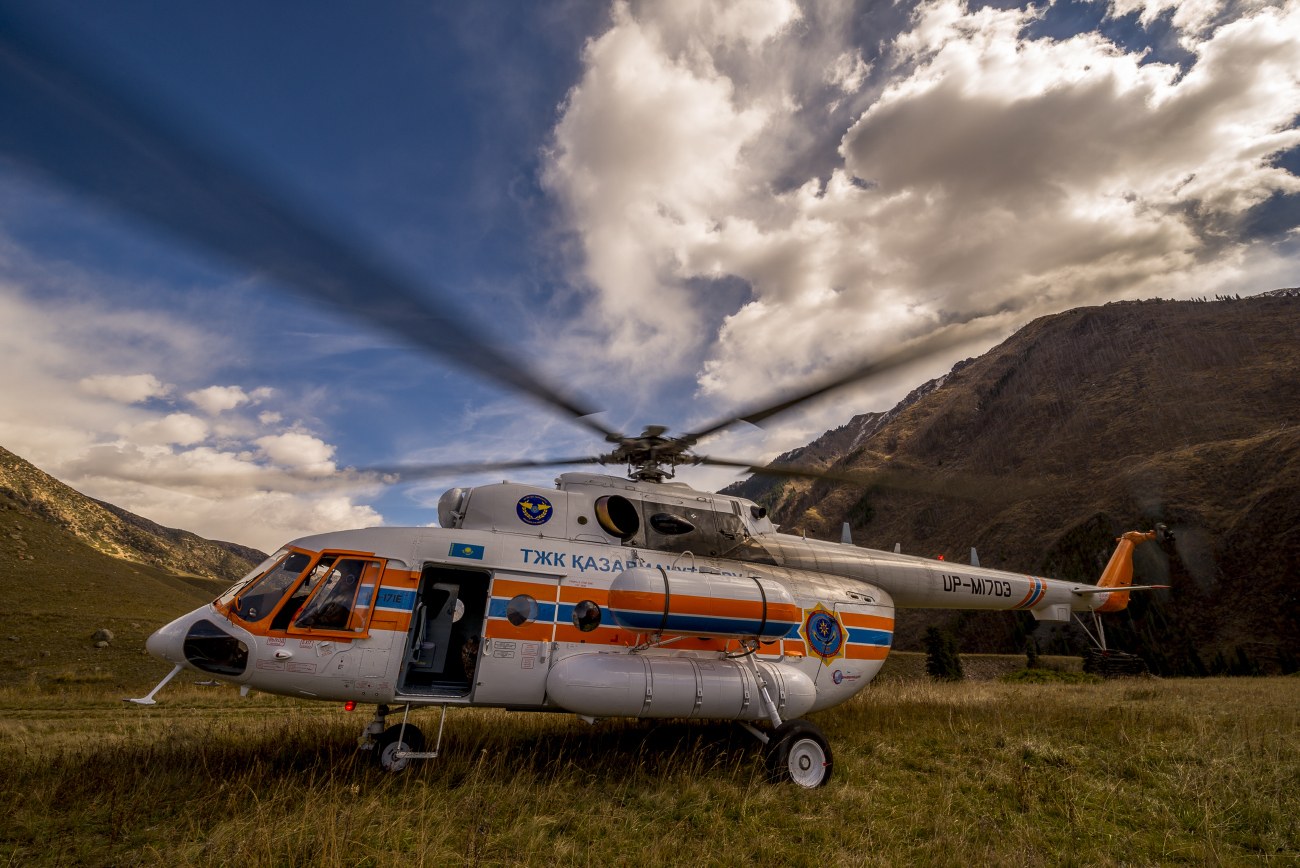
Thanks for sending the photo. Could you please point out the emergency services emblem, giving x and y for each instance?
(534, 509)
(824, 634)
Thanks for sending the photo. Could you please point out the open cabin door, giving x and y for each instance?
(446, 628)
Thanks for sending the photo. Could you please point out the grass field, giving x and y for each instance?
(1121, 773)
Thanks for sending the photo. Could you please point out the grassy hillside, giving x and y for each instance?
(56, 591)
(1091, 422)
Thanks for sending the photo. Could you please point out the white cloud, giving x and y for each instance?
(215, 399)
(267, 417)
(986, 177)
(300, 451)
(179, 428)
(1191, 15)
(125, 388)
(848, 72)
(162, 465)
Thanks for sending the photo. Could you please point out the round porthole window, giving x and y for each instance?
(586, 616)
(521, 610)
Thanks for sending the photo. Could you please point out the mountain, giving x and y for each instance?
(71, 566)
(114, 531)
(1079, 426)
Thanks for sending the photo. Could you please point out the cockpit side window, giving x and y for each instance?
(302, 592)
(342, 599)
(261, 597)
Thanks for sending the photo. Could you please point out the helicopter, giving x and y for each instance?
(631, 596)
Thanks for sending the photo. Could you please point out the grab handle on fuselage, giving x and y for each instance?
(417, 635)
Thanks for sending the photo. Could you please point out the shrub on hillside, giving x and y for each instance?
(941, 658)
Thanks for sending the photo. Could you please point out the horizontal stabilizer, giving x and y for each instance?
(1080, 592)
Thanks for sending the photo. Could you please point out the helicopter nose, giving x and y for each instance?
(167, 643)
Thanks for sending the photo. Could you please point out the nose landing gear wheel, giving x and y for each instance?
(798, 752)
(393, 740)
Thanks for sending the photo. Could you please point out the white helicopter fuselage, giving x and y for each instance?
(509, 605)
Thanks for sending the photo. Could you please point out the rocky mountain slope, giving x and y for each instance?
(72, 566)
(116, 532)
(1079, 426)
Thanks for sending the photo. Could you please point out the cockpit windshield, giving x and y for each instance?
(257, 602)
(257, 572)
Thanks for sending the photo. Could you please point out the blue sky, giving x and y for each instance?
(676, 208)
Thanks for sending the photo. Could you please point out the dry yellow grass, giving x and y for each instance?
(1122, 773)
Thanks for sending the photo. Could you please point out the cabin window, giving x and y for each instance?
(521, 610)
(262, 596)
(586, 616)
(342, 599)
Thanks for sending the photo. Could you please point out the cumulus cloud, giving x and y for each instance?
(125, 388)
(215, 399)
(175, 468)
(300, 451)
(179, 428)
(983, 177)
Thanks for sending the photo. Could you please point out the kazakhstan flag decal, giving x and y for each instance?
(461, 550)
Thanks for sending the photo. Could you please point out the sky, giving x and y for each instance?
(676, 209)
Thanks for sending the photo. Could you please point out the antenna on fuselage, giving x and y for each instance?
(898, 548)
(845, 536)
(974, 557)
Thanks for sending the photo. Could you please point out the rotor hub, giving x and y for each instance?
(651, 457)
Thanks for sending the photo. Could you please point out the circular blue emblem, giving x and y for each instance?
(534, 509)
(837, 676)
(824, 634)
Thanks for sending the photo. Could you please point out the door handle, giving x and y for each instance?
(283, 655)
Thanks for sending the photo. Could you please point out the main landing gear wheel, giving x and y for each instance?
(393, 740)
(798, 752)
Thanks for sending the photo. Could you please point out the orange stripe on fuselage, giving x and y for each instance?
(866, 652)
(1033, 589)
(875, 622)
(570, 594)
(544, 591)
(499, 628)
(599, 636)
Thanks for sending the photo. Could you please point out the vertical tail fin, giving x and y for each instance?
(1119, 572)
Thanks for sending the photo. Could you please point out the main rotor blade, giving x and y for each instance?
(948, 485)
(413, 472)
(927, 346)
(59, 121)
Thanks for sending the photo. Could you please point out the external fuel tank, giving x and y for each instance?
(644, 685)
(651, 600)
